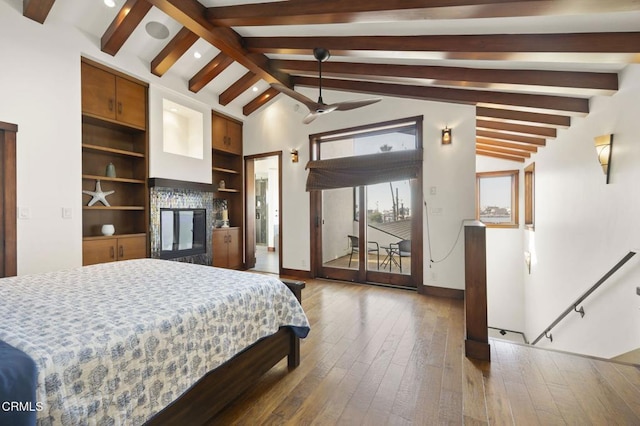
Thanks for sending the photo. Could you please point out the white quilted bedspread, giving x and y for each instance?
(115, 343)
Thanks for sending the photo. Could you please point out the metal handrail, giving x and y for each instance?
(574, 306)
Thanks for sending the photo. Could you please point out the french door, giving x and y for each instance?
(371, 231)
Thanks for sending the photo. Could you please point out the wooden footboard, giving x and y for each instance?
(212, 393)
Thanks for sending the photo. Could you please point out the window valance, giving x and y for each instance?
(360, 170)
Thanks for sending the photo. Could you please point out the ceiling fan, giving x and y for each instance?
(318, 108)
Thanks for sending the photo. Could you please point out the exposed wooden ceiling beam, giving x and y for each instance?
(38, 10)
(191, 14)
(516, 153)
(123, 25)
(177, 47)
(262, 99)
(584, 80)
(209, 72)
(523, 116)
(509, 137)
(498, 155)
(236, 89)
(304, 12)
(619, 42)
(522, 129)
(516, 146)
(576, 106)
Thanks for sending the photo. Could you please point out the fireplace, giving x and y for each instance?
(172, 202)
(183, 232)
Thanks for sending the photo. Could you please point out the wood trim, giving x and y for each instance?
(192, 14)
(180, 184)
(262, 99)
(500, 156)
(606, 83)
(449, 293)
(126, 21)
(295, 273)
(524, 116)
(170, 54)
(8, 202)
(515, 153)
(117, 73)
(210, 71)
(475, 290)
(516, 146)
(510, 137)
(466, 46)
(237, 88)
(546, 132)
(38, 10)
(575, 106)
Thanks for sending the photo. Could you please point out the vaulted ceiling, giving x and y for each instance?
(528, 66)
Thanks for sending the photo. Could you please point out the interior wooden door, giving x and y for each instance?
(8, 231)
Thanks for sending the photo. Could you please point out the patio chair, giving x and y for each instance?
(372, 247)
(401, 249)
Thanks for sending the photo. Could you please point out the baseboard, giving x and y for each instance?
(450, 293)
(295, 273)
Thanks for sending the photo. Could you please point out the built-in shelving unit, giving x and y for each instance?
(114, 131)
(227, 163)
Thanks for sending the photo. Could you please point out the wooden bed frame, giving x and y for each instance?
(213, 392)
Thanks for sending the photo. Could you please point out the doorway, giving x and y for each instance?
(366, 203)
(263, 201)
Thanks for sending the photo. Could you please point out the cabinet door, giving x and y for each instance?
(132, 247)
(99, 251)
(98, 92)
(130, 103)
(220, 248)
(235, 248)
(234, 137)
(218, 132)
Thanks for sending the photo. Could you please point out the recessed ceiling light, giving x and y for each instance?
(197, 55)
(110, 3)
(157, 30)
(255, 88)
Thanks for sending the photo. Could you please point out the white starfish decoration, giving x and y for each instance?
(98, 195)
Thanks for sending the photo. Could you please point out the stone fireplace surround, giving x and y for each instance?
(168, 193)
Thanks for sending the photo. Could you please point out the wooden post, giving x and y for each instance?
(476, 343)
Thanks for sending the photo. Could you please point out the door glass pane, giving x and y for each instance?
(389, 225)
(338, 225)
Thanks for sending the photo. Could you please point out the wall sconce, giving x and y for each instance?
(294, 155)
(446, 136)
(604, 146)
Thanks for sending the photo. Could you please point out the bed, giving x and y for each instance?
(147, 341)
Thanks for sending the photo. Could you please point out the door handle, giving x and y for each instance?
(112, 252)
(121, 254)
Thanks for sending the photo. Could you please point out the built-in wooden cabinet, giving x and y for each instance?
(226, 134)
(114, 132)
(110, 96)
(228, 182)
(227, 248)
(110, 249)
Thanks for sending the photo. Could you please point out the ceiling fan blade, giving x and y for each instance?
(321, 110)
(311, 104)
(348, 105)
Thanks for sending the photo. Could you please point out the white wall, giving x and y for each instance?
(450, 169)
(582, 228)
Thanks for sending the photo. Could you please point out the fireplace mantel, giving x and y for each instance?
(180, 184)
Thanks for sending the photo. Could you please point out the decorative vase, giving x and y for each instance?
(108, 229)
(221, 185)
(111, 170)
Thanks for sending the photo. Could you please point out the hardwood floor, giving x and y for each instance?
(381, 356)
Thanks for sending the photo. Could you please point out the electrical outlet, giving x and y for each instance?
(433, 190)
(436, 211)
(434, 276)
(303, 263)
